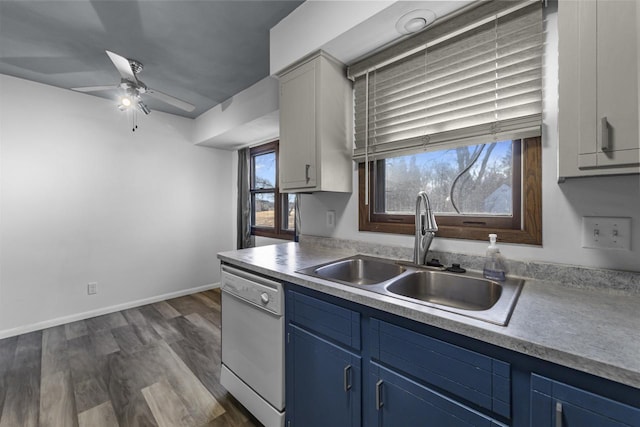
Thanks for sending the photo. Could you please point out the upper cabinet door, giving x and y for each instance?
(316, 136)
(599, 89)
(615, 53)
(297, 128)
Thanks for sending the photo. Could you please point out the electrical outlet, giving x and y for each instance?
(331, 219)
(92, 288)
(606, 233)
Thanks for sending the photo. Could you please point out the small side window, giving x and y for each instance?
(272, 212)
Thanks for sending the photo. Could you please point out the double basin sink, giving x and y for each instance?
(468, 294)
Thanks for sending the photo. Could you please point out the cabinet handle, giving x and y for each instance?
(306, 173)
(347, 376)
(558, 414)
(605, 144)
(379, 401)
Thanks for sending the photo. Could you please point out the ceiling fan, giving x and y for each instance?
(134, 88)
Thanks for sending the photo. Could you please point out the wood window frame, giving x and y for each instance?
(280, 199)
(525, 227)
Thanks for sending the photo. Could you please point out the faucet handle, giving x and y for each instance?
(429, 221)
(455, 268)
(435, 263)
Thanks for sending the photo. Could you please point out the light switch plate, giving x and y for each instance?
(606, 232)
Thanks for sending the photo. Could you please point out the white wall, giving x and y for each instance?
(84, 199)
(563, 205)
(315, 23)
(247, 117)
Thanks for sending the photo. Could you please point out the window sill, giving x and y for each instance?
(468, 233)
(273, 234)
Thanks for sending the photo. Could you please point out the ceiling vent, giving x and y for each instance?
(415, 21)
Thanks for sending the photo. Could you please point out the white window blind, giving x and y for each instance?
(481, 84)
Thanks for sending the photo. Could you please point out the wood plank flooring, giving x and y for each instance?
(156, 365)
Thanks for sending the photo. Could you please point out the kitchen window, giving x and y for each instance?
(473, 190)
(272, 212)
(456, 111)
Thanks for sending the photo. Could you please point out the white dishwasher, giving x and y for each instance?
(253, 343)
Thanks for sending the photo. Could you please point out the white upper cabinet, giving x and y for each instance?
(599, 60)
(316, 131)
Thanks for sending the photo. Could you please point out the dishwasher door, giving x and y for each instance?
(253, 335)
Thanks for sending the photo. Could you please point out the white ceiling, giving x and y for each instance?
(202, 52)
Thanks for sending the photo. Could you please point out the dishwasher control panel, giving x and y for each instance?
(257, 290)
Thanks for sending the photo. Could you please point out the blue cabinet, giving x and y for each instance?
(351, 365)
(555, 404)
(324, 319)
(323, 365)
(400, 401)
(469, 376)
(325, 382)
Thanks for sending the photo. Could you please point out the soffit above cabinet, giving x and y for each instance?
(380, 30)
(362, 28)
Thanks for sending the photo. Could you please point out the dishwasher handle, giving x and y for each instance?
(251, 277)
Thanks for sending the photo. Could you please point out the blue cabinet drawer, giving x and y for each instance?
(326, 319)
(474, 377)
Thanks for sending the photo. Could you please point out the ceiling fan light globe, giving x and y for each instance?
(125, 101)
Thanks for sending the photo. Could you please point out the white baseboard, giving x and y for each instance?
(100, 311)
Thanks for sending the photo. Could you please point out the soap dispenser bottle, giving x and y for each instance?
(494, 265)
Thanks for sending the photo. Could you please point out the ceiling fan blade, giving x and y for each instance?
(170, 100)
(93, 88)
(123, 66)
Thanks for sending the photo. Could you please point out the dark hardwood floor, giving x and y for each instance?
(156, 365)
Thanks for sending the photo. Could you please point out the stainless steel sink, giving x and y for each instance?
(468, 294)
(358, 270)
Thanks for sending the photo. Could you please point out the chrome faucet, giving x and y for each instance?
(426, 228)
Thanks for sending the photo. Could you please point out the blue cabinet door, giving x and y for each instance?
(401, 402)
(554, 404)
(323, 382)
(471, 376)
